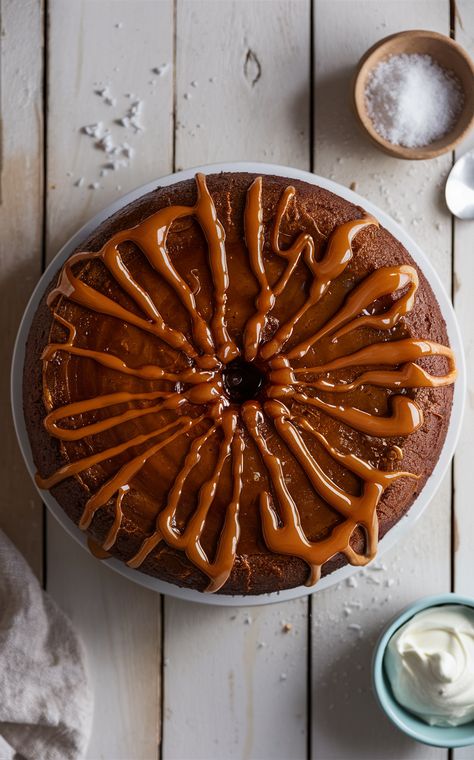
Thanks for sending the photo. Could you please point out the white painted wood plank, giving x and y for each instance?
(226, 695)
(463, 278)
(347, 723)
(96, 44)
(21, 198)
(235, 681)
(242, 81)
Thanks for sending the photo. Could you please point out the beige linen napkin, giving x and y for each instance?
(45, 700)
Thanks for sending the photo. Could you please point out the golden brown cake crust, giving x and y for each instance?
(314, 211)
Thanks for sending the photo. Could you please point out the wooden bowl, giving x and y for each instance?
(444, 51)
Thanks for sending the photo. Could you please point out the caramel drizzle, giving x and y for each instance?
(287, 536)
(210, 347)
(337, 256)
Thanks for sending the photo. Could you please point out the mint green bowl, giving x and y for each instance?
(411, 725)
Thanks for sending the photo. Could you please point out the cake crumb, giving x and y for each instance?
(286, 627)
(353, 186)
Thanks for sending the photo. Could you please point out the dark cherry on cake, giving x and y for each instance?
(238, 383)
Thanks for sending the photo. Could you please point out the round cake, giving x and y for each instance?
(238, 383)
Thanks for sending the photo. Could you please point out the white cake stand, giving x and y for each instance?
(419, 505)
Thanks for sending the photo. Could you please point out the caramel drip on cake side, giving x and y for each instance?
(203, 412)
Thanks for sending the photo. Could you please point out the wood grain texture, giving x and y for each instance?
(347, 620)
(248, 694)
(463, 264)
(95, 44)
(463, 277)
(235, 680)
(21, 205)
(242, 78)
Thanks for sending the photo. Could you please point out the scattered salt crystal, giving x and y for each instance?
(247, 619)
(104, 93)
(94, 185)
(351, 582)
(119, 25)
(390, 582)
(283, 676)
(93, 130)
(105, 143)
(79, 182)
(194, 83)
(412, 100)
(187, 96)
(131, 117)
(377, 566)
(355, 627)
(127, 150)
(373, 581)
(261, 644)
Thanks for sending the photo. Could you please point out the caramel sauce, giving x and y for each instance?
(223, 396)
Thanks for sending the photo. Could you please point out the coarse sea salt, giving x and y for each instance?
(412, 101)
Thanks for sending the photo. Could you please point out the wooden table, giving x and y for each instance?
(219, 80)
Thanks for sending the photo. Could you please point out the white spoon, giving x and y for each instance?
(460, 187)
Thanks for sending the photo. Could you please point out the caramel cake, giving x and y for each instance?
(238, 383)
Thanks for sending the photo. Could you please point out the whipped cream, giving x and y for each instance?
(430, 664)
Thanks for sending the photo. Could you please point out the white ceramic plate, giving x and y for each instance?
(400, 529)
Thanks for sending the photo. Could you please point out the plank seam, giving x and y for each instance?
(312, 65)
(44, 230)
(175, 98)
